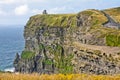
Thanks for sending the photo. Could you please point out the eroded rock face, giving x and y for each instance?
(55, 51)
(94, 62)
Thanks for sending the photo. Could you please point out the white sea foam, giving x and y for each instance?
(10, 70)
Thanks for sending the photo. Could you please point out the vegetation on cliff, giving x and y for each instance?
(61, 62)
(27, 54)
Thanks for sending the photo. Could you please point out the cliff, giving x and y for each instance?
(86, 42)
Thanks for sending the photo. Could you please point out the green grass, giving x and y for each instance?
(113, 40)
(27, 54)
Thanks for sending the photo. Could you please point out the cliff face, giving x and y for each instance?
(69, 43)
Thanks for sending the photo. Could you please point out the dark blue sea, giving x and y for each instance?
(11, 42)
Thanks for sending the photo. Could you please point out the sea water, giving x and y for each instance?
(11, 42)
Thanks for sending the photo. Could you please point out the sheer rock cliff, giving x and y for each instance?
(70, 43)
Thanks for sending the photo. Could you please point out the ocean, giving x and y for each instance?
(11, 42)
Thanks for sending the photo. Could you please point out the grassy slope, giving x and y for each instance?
(9, 76)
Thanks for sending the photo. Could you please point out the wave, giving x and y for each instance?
(9, 70)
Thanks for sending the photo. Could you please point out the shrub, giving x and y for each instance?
(112, 40)
(49, 62)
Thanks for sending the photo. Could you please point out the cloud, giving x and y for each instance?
(20, 1)
(6, 1)
(2, 12)
(21, 10)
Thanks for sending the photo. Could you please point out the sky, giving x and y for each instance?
(17, 12)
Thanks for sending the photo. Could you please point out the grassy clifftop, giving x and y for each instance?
(53, 20)
(65, 20)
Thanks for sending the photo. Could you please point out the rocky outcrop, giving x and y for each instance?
(63, 44)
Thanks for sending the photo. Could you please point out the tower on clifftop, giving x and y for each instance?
(44, 12)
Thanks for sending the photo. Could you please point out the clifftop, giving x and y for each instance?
(64, 20)
(52, 20)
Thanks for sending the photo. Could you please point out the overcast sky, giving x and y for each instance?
(17, 12)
